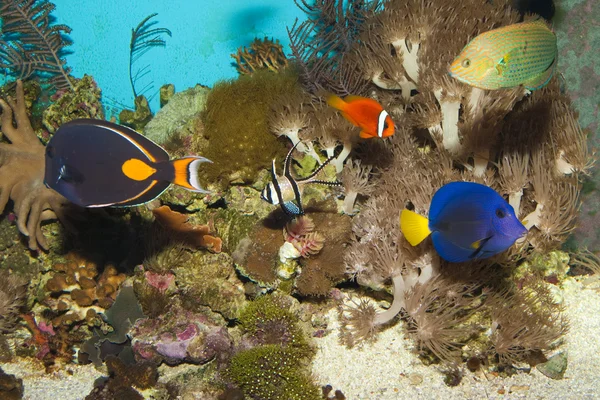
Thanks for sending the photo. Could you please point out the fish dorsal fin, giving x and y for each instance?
(151, 150)
(309, 179)
(288, 161)
(287, 173)
(352, 97)
(275, 182)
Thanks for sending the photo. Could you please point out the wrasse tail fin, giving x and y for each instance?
(186, 173)
(414, 227)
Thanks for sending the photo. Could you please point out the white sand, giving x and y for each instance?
(59, 385)
(384, 370)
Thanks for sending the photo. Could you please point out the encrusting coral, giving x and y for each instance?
(81, 102)
(22, 173)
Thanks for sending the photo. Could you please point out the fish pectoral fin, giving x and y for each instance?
(365, 135)
(414, 227)
(503, 64)
(478, 246)
(291, 208)
(542, 79)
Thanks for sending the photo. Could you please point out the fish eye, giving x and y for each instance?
(50, 151)
(500, 213)
(466, 63)
(385, 125)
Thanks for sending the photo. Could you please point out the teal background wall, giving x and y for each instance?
(577, 26)
(204, 34)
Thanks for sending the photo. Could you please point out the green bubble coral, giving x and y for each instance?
(236, 125)
(277, 367)
(269, 320)
(272, 372)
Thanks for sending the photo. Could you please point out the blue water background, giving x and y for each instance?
(204, 34)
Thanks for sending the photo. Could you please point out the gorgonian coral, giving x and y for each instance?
(22, 173)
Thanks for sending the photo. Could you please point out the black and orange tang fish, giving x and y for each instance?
(96, 163)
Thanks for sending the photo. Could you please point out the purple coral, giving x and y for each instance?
(179, 336)
(22, 173)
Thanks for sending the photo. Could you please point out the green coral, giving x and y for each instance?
(236, 125)
(82, 102)
(210, 280)
(277, 368)
(272, 372)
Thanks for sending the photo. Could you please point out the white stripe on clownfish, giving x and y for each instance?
(381, 123)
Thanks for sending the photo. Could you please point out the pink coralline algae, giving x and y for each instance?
(159, 281)
(180, 336)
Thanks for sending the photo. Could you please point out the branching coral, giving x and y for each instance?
(322, 44)
(22, 173)
(262, 54)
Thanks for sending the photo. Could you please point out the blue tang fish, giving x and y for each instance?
(467, 221)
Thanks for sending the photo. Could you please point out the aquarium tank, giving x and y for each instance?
(299, 199)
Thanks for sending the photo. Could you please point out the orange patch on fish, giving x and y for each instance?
(137, 169)
(366, 113)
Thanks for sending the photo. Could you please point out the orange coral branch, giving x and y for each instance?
(194, 235)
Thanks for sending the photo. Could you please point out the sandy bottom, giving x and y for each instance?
(387, 369)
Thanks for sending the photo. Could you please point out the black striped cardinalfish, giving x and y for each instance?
(286, 190)
(95, 163)
(517, 54)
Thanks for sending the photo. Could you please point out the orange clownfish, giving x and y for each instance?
(365, 113)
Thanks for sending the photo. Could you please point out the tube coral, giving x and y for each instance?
(355, 178)
(22, 173)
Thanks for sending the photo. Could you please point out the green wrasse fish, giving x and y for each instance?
(518, 54)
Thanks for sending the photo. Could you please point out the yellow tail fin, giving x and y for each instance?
(414, 227)
(186, 173)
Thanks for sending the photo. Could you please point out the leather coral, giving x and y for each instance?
(22, 173)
